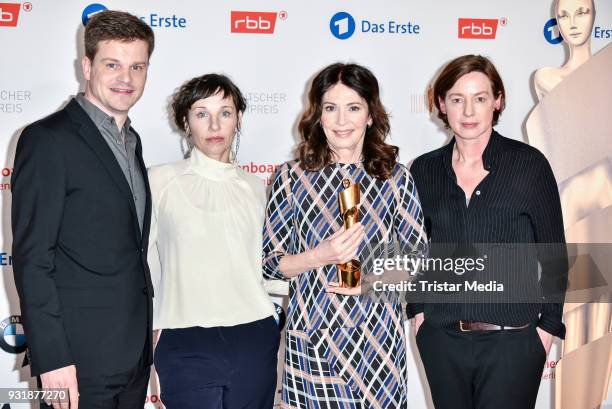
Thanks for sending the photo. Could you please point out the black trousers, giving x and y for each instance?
(126, 390)
(482, 369)
(219, 368)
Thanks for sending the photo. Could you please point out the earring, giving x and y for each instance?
(234, 151)
(189, 148)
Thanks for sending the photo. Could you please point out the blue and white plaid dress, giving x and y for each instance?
(341, 351)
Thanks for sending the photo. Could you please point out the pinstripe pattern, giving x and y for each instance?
(341, 352)
(516, 203)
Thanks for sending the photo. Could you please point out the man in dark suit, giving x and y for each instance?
(80, 217)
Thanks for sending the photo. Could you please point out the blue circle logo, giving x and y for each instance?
(342, 25)
(549, 32)
(13, 339)
(90, 11)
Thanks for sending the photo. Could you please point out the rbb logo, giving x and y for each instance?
(551, 32)
(253, 22)
(9, 14)
(342, 25)
(478, 28)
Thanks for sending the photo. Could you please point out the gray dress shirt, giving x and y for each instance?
(123, 145)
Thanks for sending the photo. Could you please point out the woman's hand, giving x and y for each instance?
(546, 339)
(418, 321)
(340, 247)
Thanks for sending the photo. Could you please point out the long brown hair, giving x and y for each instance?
(314, 152)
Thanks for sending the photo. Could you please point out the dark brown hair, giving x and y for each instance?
(379, 158)
(116, 25)
(461, 66)
(203, 87)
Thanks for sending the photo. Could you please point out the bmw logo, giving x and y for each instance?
(13, 339)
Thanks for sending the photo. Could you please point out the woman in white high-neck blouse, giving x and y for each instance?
(219, 341)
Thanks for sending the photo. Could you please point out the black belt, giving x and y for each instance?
(465, 326)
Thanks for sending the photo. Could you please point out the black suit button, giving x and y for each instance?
(145, 290)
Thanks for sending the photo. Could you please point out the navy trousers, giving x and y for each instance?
(219, 368)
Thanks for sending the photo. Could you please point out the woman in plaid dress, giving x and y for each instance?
(342, 351)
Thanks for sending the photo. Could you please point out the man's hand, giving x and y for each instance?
(62, 378)
(418, 321)
(546, 339)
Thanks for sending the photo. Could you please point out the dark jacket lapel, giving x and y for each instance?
(147, 215)
(146, 224)
(90, 133)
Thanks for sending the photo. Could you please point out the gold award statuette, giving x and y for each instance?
(349, 272)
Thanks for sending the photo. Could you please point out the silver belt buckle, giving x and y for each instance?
(461, 327)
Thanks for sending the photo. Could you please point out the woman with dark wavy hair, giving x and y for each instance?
(341, 351)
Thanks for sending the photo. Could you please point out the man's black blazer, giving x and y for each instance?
(79, 257)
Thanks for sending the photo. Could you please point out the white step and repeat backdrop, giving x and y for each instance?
(272, 55)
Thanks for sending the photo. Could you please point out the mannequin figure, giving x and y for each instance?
(575, 19)
(571, 125)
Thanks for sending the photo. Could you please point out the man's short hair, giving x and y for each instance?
(116, 25)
